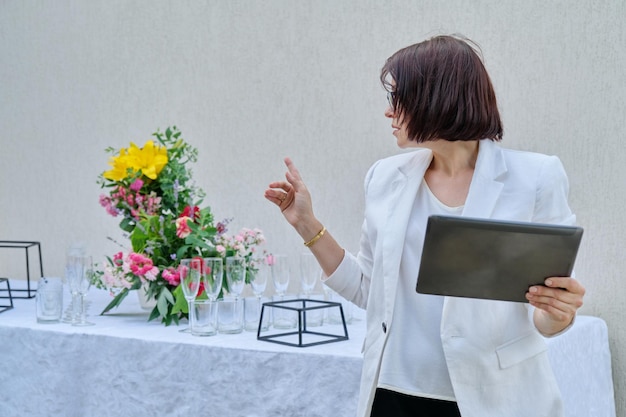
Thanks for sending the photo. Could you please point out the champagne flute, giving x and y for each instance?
(79, 279)
(280, 274)
(212, 277)
(236, 278)
(190, 270)
(235, 275)
(75, 250)
(259, 275)
(83, 289)
(309, 273)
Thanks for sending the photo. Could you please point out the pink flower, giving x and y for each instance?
(172, 276)
(152, 274)
(118, 259)
(143, 267)
(269, 259)
(109, 205)
(221, 249)
(182, 228)
(136, 185)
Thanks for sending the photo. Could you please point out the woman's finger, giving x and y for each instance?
(293, 175)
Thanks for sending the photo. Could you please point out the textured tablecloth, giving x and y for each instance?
(126, 366)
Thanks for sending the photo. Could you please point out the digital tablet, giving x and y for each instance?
(492, 259)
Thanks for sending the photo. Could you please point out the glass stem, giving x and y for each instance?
(76, 306)
(83, 309)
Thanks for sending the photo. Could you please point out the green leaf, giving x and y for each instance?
(180, 305)
(182, 251)
(116, 301)
(162, 304)
(168, 295)
(197, 242)
(154, 314)
(127, 225)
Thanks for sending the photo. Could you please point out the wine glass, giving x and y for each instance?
(309, 273)
(75, 250)
(212, 277)
(283, 319)
(189, 271)
(280, 274)
(236, 278)
(259, 275)
(79, 270)
(235, 275)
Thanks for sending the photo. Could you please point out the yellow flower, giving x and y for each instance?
(120, 167)
(150, 159)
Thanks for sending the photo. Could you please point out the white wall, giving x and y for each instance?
(249, 82)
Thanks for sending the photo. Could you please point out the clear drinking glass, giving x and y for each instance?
(49, 300)
(283, 318)
(189, 270)
(230, 315)
(204, 321)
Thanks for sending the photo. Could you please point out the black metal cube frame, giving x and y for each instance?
(26, 245)
(304, 306)
(4, 308)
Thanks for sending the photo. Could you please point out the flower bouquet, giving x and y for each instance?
(151, 189)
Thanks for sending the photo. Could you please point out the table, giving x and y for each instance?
(126, 366)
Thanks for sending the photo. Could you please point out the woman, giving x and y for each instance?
(430, 355)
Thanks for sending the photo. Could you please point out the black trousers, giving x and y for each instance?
(395, 404)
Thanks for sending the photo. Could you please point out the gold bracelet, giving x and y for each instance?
(315, 238)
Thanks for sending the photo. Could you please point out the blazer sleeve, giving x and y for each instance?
(552, 207)
(551, 202)
(352, 277)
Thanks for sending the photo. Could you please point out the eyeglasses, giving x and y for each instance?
(391, 98)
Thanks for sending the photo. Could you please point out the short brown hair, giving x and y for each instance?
(442, 90)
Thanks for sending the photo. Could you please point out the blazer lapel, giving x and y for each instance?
(485, 188)
(403, 191)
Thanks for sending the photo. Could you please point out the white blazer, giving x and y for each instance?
(496, 358)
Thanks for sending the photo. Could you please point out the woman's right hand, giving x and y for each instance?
(293, 199)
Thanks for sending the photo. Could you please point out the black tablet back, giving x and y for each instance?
(490, 259)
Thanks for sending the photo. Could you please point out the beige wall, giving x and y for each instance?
(249, 82)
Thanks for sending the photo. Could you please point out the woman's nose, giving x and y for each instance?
(389, 112)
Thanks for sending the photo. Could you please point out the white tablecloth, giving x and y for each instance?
(125, 366)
